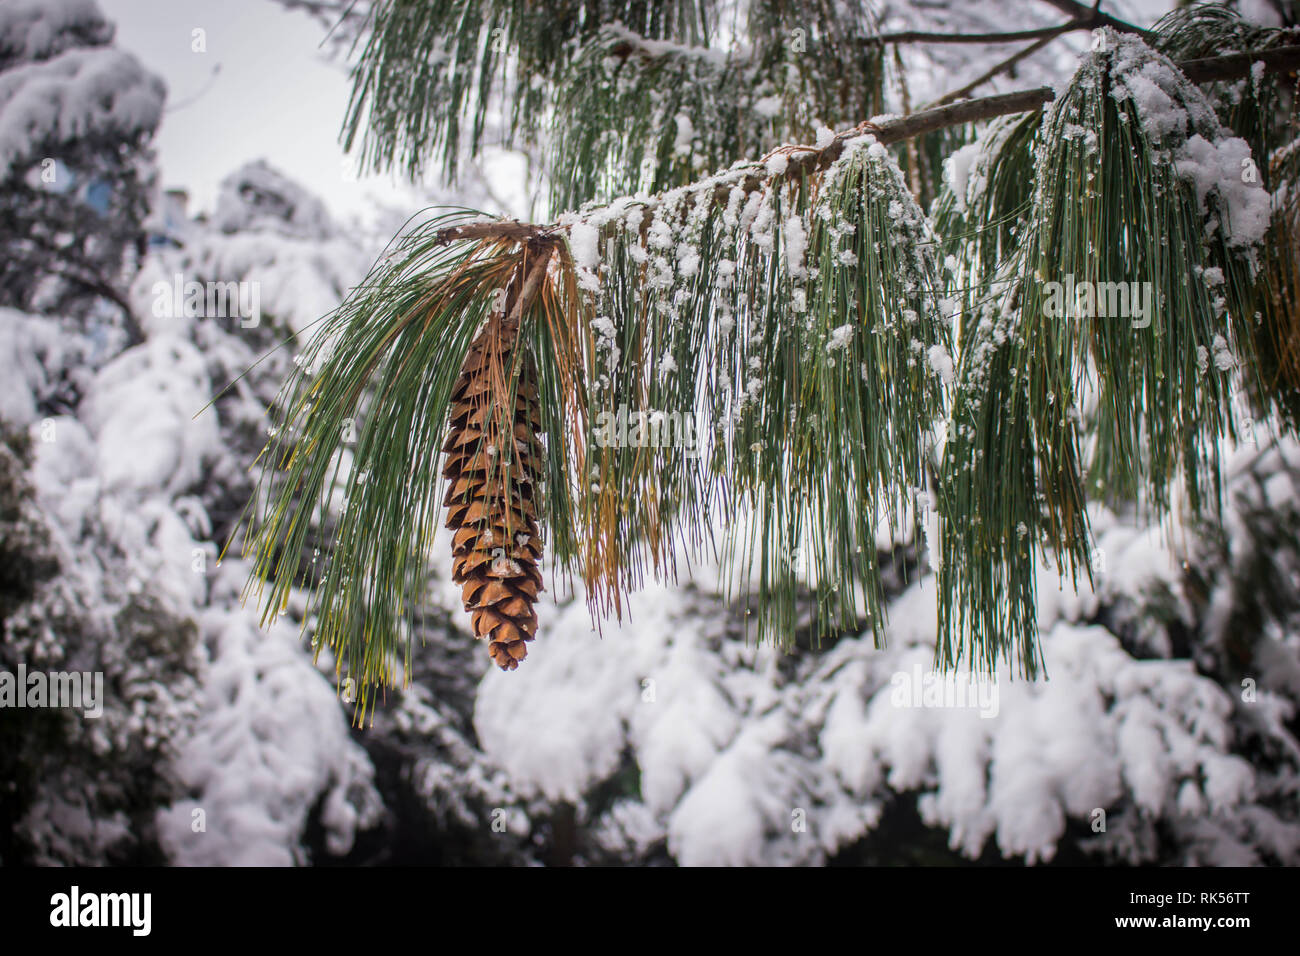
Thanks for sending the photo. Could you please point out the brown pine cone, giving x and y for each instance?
(493, 459)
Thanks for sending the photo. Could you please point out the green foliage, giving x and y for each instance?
(636, 116)
(1254, 109)
(403, 334)
(793, 313)
(1109, 206)
(1261, 110)
(428, 66)
(639, 96)
(800, 340)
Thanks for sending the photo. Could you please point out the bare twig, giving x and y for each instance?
(992, 72)
(496, 229)
(533, 276)
(1094, 14)
(1232, 65)
(1082, 18)
(1017, 36)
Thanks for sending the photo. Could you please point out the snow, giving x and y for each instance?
(840, 338)
(1176, 115)
(259, 197)
(141, 414)
(685, 136)
(584, 243)
(33, 352)
(777, 164)
(272, 237)
(941, 363)
(723, 769)
(79, 94)
(796, 247)
(40, 29)
(271, 741)
(688, 260)
(1223, 359)
(1219, 168)
(1159, 113)
(957, 170)
(124, 484)
(664, 48)
(584, 246)
(558, 747)
(717, 752)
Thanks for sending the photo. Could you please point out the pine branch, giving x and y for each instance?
(1051, 403)
(512, 231)
(1235, 65)
(792, 312)
(1205, 70)
(428, 71)
(806, 160)
(1016, 36)
(683, 110)
(634, 45)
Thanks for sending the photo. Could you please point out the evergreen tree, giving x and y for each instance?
(1096, 299)
(1166, 733)
(76, 117)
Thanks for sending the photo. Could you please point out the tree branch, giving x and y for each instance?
(1233, 65)
(1082, 18)
(920, 36)
(496, 229)
(1081, 11)
(983, 78)
(808, 159)
(632, 44)
(1206, 70)
(88, 278)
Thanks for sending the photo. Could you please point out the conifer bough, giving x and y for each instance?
(501, 598)
(887, 131)
(796, 305)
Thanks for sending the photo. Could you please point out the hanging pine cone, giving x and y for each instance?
(493, 460)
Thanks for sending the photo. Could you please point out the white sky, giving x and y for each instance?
(277, 96)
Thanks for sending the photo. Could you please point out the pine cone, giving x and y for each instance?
(492, 481)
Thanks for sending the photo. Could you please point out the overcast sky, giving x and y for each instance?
(275, 95)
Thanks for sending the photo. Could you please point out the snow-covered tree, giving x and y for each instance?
(980, 338)
(76, 118)
(214, 744)
(848, 322)
(1089, 310)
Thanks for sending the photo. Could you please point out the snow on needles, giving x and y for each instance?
(1176, 116)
